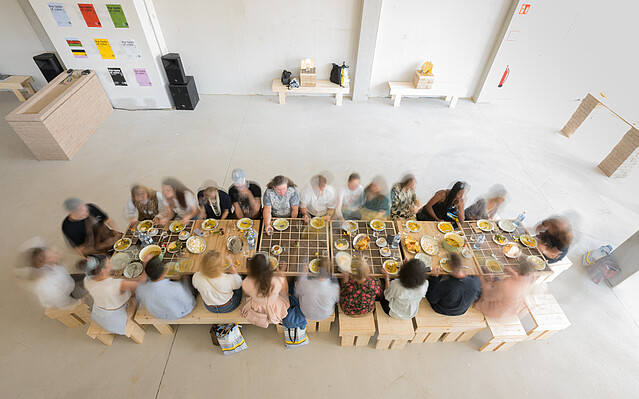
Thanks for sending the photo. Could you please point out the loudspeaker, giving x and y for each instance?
(174, 69)
(185, 96)
(49, 65)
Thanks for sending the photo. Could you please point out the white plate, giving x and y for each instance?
(341, 244)
(343, 260)
(485, 225)
(195, 245)
(388, 262)
(428, 261)
(280, 224)
(385, 252)
(318, 222)
(313, 266)
(467, 253)
(444, 264)
(377, 222)
(381, 242)
(144, 225)
(120, 260)
(506, 225)
(537, 262)
(176, 226)
(349, 226)
(500, 243)
(429, 245)
(152, 232)
(184, 235)
(210, 224)
(125, 241)
(133, 270)
(357, 239)
(512, 254)
(531, 238)
(244, 224)
(413, 226)
(276, 249)
(445, 227)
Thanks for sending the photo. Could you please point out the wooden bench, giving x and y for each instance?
(16, 83)
(558, 268)
(506, 332)
(132, 330)
(450, 91)
(322, 326)
(76, 317)
(546, 315)
(356, 330)
(322, 87)
(431, 326)
(391, 333)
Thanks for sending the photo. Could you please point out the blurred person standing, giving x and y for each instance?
(376, 204)
(144, 204)
(404, 201)
(350, 199)
(281, 200)
(505, 297)
(181, 202)
(318, 199)
(554, 236)
(487, 206)
(246, 196)
(88, 229)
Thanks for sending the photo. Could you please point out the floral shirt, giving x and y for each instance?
(356, 299)
(403, 202)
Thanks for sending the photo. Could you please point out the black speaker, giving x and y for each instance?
(174, 69)
(49, 65)
(185, 96)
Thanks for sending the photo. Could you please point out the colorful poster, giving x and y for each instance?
(105, 49)
(117, 76)
(131, 49)
(79, 53)
(142, 77)
(73, 42)
(76, 47)
(117, 15)
(90, 17)
(59, 14)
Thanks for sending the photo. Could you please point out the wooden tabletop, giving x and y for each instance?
(15, 81)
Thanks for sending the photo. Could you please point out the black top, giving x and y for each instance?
(562, 255)
(76, 230)
(245, 205)
(223, 198)
(440, 210)
(452, 296)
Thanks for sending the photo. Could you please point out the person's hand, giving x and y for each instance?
(327, 218)
(232, 269)
(156, 221)
(133, 220)
(185, 219)
(162, 221)
(269, 230)
(306, 218)
(147, 258)
(385, 273)
(436, 270)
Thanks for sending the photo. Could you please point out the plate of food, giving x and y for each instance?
(411, 245)
(506, 225)
(494, 266)
(276, 249)
(152, 232)
(511, 250)
(244, 224)
(195, 245)
(313, 266)
(485, 225)
(343, 260)
(427, 260)
(537, 262)
(528, 241)
(377, 225)
(445, 227)
(133, 270)
(385, 252)
(318, 222)
(122, 244)
(273, 262)
(349, 226)
(413, 226)
(361, 242)
(152, 250)
(452, 242)
(500, 239)
(144, 225)
(184, 265)
(429, 245)
(234, 244)
(184, 235)
(444, 263)
(210, 224)
(391, 266)
(280, 224)
(227, 263)
(341, 243)
(174, 247)
(171, 269)
(467, 252)
(176, 226)
(120, 260)
(381, 242)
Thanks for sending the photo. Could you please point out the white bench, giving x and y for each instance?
(558, 268)
(322, 87)
(450, 91)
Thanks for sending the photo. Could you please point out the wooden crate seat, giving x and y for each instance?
(76, 317)
(506, 332)
(546, 314)
(356, 331)
(322, 326)
(392, 333)
(431, 326)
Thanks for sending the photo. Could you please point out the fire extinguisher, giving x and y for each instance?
(503, 78)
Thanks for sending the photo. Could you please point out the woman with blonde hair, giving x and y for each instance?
(358, 293)
(219, 285)
(144, 204)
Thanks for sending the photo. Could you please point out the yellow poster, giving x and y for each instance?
(105, 49)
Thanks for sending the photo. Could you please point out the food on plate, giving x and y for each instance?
(152, 232)
(385, 251)
(280, 224)
(184, 265)
(122, 244)
(276, 250)
(361, 242)
(209, 224)
(452, 242)
(274, 262)
(506, 225)
(176, 226)
(145, 225)
(133, 270)
(485, 225)
(313, 266)
(466, 252)
(413, 226)
(444, 263)
(343, 260)
(377, 225)
(318, 222)
(381, 242)
(445, 227)
(341, 243)
(494, 266)
(184, 235)
(411, 244)
(537, 262)
(427, 260)
(530, 242)
(511, 250)
(349, 226)
(152, 250)
(244, 223)
(391, 266)
(429, 245)
(171, 269)
(195, 245)
(500, 239)
(174, 247)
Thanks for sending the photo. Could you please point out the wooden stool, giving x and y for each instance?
(16, 83)
(76, 317)
(393, 333)
(132, 329)
(546, 314)
(322, 326)
(506, 332)
(356, 330)
(430, 326)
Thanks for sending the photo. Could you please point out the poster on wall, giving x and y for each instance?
(117, 15)
(142, 77)
(105, 49)
(90, 16)
(76, 47)
(59, 14)
(130, 49)
(117, 76)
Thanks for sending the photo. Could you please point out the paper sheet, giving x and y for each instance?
(130, 49)
(59, 14)
(105, 49)
(117, 76)
(142, 77)
(117, 15)
(90, 16)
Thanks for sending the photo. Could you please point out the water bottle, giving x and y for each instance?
(395, 243)
(480, 240)
(520, 218)
(250, 239)
(145, 239)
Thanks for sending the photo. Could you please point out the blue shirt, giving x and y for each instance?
(166, 299)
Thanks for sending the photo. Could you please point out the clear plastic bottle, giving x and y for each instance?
(480, 240)
(520, 219)
(250, 239)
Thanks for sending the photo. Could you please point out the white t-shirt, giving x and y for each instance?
(404, 302)
(106, 293)
(349, 199)
(191, 203)
(130, 211)
(54, 286)
(216, 291)
(318, 205)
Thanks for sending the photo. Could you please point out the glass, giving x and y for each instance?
(246, 252)
(324, 253)
(396, 255)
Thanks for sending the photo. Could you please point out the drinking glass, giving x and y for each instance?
(246, 252)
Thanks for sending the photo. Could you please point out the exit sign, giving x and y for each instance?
(524, 9)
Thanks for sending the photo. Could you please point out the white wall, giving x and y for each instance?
(455, 35)
(240, 46)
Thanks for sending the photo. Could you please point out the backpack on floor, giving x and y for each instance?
(340, 75)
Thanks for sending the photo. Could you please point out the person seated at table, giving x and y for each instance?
(280, 201)
(403, 294)
(358, 292)
(446, 205)
(214, 203)
(318, 199)
(245, 195)
(317, 296)
(266, 293)
(453, 294)
(350, 199)
(220, 288)
(110, 295)
(376, 204)
(163, 298)
(88, 229)
(487, 206)
(144, 204)
(181, 202)
(404, 201)
(554, 236)
(505, 297)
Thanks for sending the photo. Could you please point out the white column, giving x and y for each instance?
(371, 12)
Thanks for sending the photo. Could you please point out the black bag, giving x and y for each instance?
(286, 78)
(336, 74)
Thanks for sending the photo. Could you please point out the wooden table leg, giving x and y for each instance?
(398, 344)
(362, 340)
(29, 88)
(348, 340)
(282, 96)
(397, 100)
(338, 99)
(19, 95)
(164, 329)
(383, 343)
(453, 102)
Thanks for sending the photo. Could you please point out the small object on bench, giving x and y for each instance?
(322, 326)
(392, 333)
(506, 332)
(450, 91)
(423, 81)
(430, 326)
(76, 317)
(546, 315)
(356, 330)
(16, 83)
(321, 87)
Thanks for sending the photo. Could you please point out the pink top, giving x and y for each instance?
(504, 297)
(275, 306)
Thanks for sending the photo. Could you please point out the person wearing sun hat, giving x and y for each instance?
(246, 196)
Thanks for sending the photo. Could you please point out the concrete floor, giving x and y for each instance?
(513, 144)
